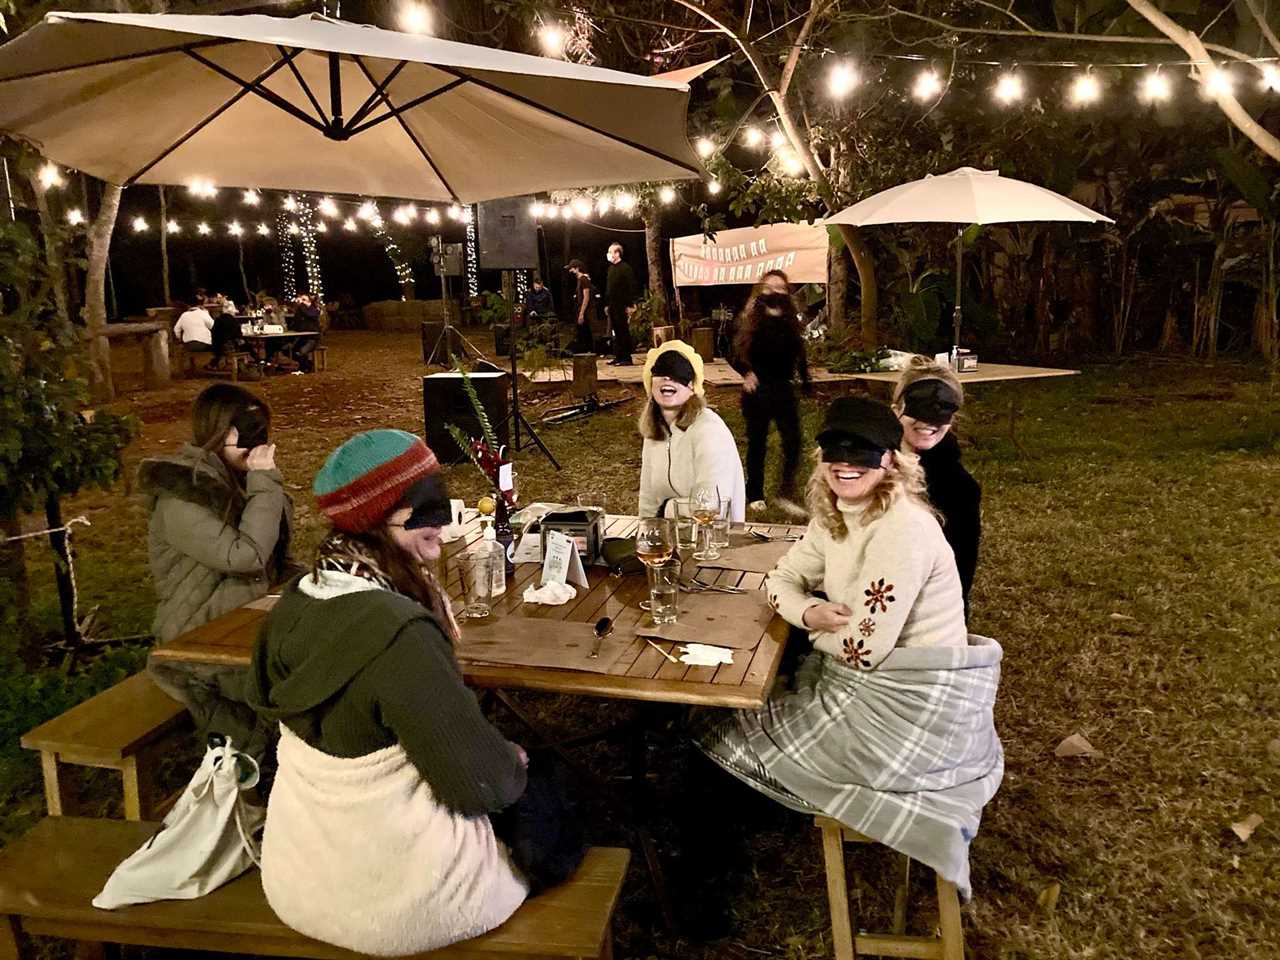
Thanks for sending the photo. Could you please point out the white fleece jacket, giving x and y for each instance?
(704, 453)
(897, 573)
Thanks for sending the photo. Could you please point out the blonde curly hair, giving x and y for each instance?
(924, 368)
(903, 478)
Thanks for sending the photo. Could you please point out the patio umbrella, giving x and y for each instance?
(314, 104)
(965, 196)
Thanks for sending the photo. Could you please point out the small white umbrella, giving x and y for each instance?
(965, 196)
(315, 104)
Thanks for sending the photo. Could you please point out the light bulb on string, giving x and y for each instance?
(349, 225)
(1270, 80)
(537, 209)
(841, 80)
(327, 207)
(582, 207)
(433, 216)
(1218, 82)
(713, 187)
(705, 147)
(405, 214)
(553, 212)
(777, 140)
(252, 198)
(75, 216)
(294, 229)
(415, 18)
(667, 194)
(367, 211)
(792, 165)
(464, 214)
(455, 212)
(290, 203)
(203, 229)
(235, 229)
(753, 136)
(1009, 88)
(553, 39)
(172, 226)
(264, 230)
(927, 86)
(624, 201)
(566, 212)
(204, 189)
(603, 205)
(377, 222)
(1085, 89)
(50, 177)
(1155, 87)
(139, 224)
(322, 227)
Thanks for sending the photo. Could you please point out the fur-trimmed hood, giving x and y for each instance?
(192, 474)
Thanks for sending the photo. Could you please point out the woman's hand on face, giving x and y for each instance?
(524, 757)
(750, 382)
(262, 457)
(827, 617)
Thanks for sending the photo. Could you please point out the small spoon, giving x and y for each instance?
(604, 627)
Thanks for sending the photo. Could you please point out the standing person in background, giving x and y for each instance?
(621, 292)
(926, 399)
(584, 309)
(768, 351)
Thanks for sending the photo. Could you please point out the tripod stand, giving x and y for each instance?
(514, 416)
(442, 350)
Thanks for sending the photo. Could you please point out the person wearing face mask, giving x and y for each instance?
(685, 441)
(378, 832)
(926, 399)
(769, 351)
(218, 538)
(621, 291)
(888, 727)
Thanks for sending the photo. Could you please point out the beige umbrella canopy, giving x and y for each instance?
(315, 104)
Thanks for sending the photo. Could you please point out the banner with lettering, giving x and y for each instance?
(745, 254)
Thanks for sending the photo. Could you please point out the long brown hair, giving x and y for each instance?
(653, 425)
(750, 316)
(216, 407)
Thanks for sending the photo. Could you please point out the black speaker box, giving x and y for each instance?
(508, 235)
(444, 401)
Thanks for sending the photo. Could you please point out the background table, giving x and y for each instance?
(986, 373)
(641, 673)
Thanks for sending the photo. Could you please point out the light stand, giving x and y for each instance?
(514, 415)
(441, 352)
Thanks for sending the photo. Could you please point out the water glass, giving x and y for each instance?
(664, 589)
(686, 526)
(705, 505)
(477, 584)
(720, 526)
(592, 500)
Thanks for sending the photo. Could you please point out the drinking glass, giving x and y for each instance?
(592, 500)
(704, 503)
(477, 584)
(664, 591)
(686, 526)
(720, 526)
(655, 544)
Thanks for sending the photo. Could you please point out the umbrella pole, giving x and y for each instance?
(955, 316)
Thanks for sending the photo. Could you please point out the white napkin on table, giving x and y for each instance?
(550, 594)
(705, 655)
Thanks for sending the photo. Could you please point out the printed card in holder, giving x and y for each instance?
(561, 562)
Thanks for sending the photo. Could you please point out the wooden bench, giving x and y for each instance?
(154, 337)
(49, 876)
(947, 945)
(115, 729)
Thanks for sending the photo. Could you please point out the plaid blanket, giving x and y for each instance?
(906, 754)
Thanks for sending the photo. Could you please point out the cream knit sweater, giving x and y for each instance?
(897, 573)
(705, 453)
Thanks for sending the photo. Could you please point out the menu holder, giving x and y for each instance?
(733, 620)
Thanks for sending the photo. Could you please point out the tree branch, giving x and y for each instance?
(1197, 50)
(1008, 13)
(1263, 25)
(816, 8)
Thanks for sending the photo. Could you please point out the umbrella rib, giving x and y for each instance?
(409, 133)
(305, 89)
(273, 98)
(372, 100)
(159, 52)
(235, 98)
(494, 88)
(396, 111)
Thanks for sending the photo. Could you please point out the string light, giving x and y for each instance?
(472, 251)
(376, 222)
(204, 189)
(1218, 82)
(553, 212)
(713, 187)
(1270, 81)
(264, 230)
(927, 86)
(203, 229)
(1155, 87)
(310, 253)
(705, 147)
(322, 227)
(172, 226)
(75, 216)
(290, 203)
(1009, 88)
(841, 80)
(349, 225)
(582, 207)
(753, 136)
(553, 39)
(1085, 89)
(50, 177)
(139, 225)
(415, 18)
(625, 202)
(467, 217)
(367, 212)
(777, 140)
(294, 230)
(455, 212)
(235, 229)
(252, 198)
(603, 205)
(667, 194)
(433, 216)
(566, 212)
(327, 207)
(288, 262)
(792, 165)
(405, 215)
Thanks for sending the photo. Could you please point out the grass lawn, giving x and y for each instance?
(1130, 568)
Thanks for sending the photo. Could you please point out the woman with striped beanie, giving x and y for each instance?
(378, 835)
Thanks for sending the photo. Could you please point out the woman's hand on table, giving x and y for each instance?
(827, 617)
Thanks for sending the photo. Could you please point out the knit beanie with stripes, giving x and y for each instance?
(365, 478)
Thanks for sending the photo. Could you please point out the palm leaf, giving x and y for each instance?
(486, 428)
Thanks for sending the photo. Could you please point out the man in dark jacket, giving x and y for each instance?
(621, 292)
(538, 302)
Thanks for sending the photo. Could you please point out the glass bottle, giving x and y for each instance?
(497, 556)
(503, 532)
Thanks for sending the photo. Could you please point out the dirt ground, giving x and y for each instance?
(1130, 569)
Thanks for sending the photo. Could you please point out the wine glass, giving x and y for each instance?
(704, 503)
(655, 546)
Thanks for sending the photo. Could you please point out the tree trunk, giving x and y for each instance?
(653, 257)
(54, 254)
(837, 290)
(164, 247)
(100, 383)
(244, 278)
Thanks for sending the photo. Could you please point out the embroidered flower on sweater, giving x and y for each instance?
(867, 627)
(855, 652)
(878, 595)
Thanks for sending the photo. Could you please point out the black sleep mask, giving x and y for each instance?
(429, 500)
(931, 401)
(674, 366)
(252, 427)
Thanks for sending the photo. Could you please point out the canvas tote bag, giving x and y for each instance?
(206, 839)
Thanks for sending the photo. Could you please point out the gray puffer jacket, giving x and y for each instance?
(213, 546)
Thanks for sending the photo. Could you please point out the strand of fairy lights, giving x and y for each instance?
(284, 238)
(310, 253)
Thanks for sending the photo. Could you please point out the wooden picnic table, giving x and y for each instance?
(641, 673)
(986, 373)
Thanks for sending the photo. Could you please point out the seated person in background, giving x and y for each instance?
(193, 328)
(306, 318)
(889, 726)
(685, 441)
(538, 303)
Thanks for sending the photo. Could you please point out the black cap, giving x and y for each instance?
(931, 401)
(429, 499)
(858, 431)
(674, 366)
(576, 264)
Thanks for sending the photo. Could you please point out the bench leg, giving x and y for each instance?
(949, 921)
(837, 892)
(53, 782)
(606, 952)
(900, 898)
(132, 789)
(10, 939)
